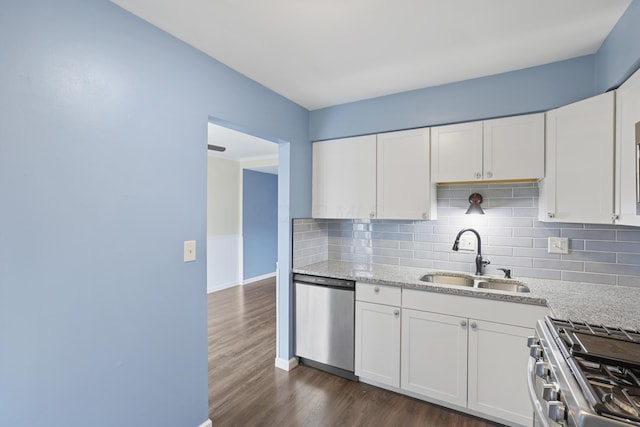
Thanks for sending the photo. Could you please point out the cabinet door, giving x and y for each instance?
(456, 152)
(404, 176)
(377, 347)
(514, 148)
(627, 115)
(578, 186)
(434, 356)
(344, 178)
(498, 357)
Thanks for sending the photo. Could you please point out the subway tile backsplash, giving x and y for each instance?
(512, 237)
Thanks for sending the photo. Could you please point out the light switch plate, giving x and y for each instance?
(558, 245)
(189, 250)
(467, 243)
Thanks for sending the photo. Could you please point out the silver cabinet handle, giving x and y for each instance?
(474, 325)
(376, 290)
(551, 214)
(489, 174)
(396, 313)
(463, 323)
(615, 217)
(372, 214)
(478, 175)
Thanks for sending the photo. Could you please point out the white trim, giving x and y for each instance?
(207, 423)
(222, 286)
(277, 312)
(258, 278)
(287, 365)
(241, 242)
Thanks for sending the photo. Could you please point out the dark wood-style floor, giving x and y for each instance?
(246, 389)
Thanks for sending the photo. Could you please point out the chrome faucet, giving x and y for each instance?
(480, 263)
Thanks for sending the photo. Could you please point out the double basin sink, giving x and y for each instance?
(478, 282)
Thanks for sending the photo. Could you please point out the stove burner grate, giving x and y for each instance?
(616, 395)
(621, 402)
(608, 362)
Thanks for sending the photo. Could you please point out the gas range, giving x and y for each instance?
(584, 375)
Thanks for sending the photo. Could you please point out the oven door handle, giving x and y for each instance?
(540, 416)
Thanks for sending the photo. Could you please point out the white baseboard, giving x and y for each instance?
(207, 423)
(286, 365)
(258, 278)
(222, 286)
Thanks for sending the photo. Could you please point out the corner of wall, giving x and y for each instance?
(619, 55)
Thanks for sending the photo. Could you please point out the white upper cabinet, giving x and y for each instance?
(404, 183)
(344, 178)
(456, 152)
(384, 176)
(514, 148)
(578, 186)
(506, 149)
(627, 115)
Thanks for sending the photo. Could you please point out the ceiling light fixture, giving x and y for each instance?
(475, 199)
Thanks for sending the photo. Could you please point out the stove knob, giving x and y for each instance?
(535, 351)
(542, 369)
(557, 411)
(550, 392)
(531, 341)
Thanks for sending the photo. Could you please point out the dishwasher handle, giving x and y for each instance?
(324, 281)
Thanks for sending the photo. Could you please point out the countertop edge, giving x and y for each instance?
(523, 298)
(598, 304)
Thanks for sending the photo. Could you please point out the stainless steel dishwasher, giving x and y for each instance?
(325, 318)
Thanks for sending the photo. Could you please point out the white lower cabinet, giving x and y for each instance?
(377, 332)
(471, 363)
(434, 356)
(466, 353)
(497, 382)
(378, 343)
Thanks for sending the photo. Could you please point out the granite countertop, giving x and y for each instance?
(597, 304)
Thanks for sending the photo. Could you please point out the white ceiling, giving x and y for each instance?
(319, 53)
(244, 148)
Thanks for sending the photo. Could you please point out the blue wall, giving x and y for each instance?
(619, 55)
(103, 130)
(259, 223)
(517, 92)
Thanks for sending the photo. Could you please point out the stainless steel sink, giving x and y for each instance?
(446, 279)
(502, 286)
(475, 282)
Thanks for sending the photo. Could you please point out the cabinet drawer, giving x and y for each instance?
(378, 294)
(511, 313)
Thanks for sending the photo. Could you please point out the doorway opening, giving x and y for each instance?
(242, 208)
